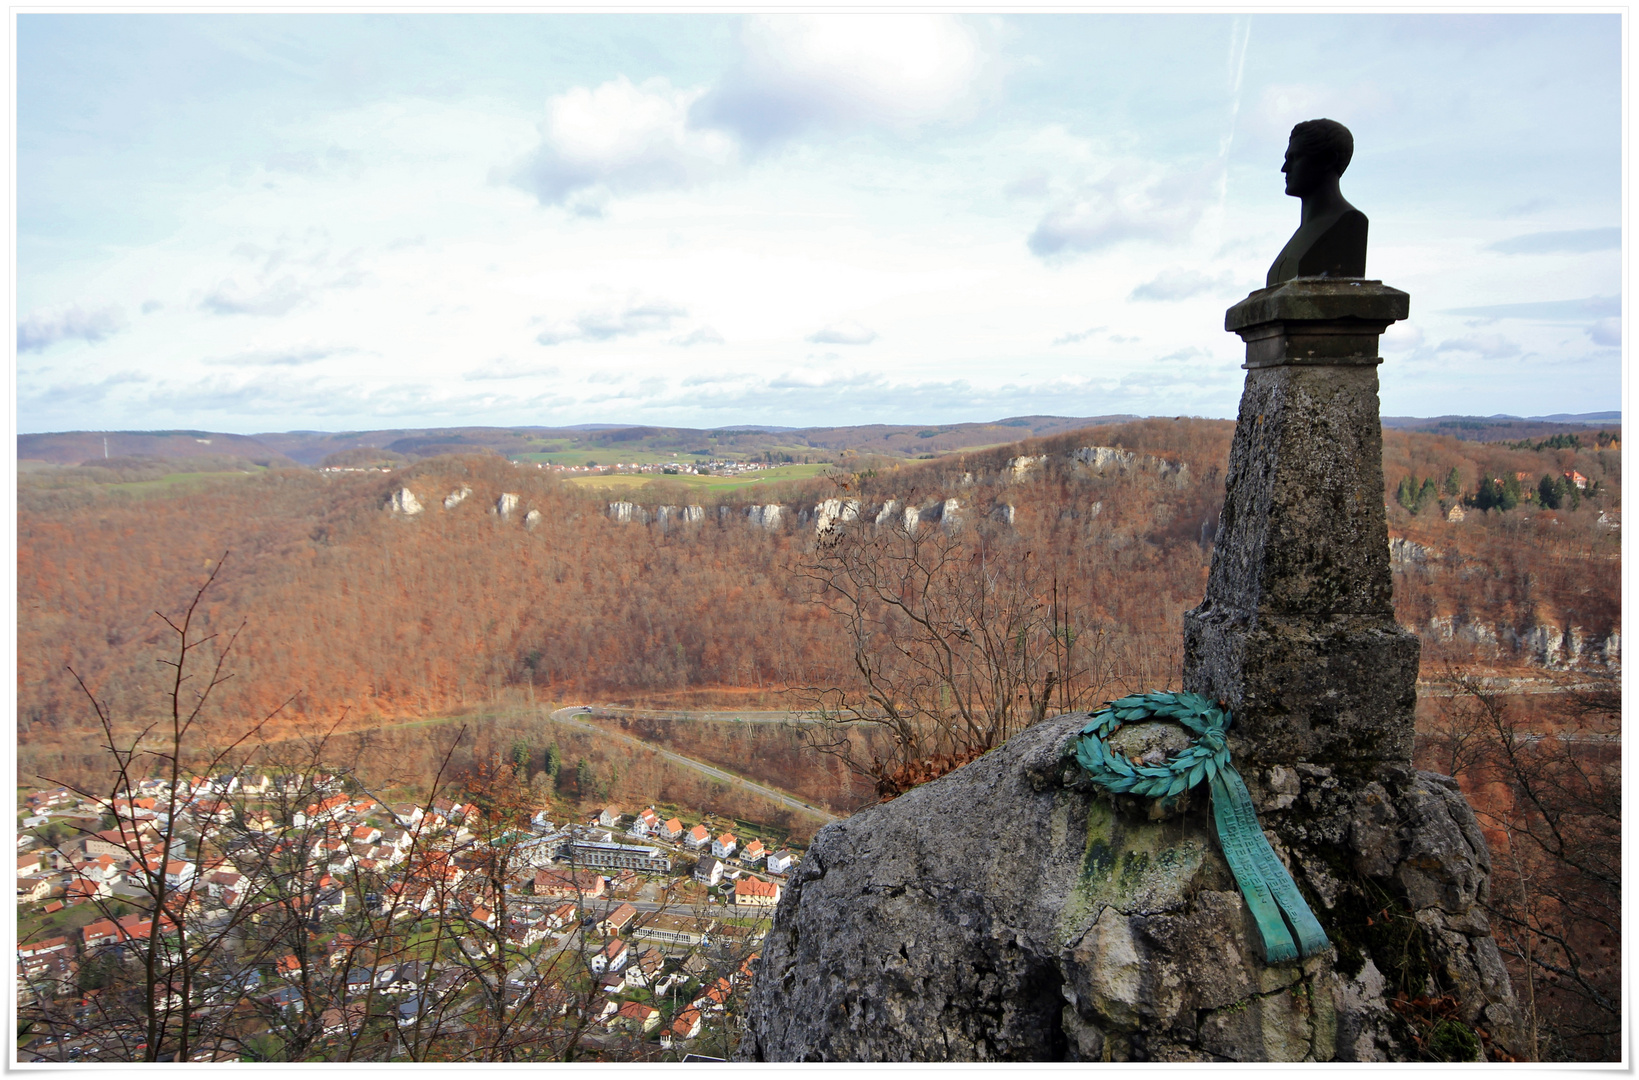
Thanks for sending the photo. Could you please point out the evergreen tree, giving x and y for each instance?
(1426, 494)
(520, 758)
(583, 778)
(1454, 483)
(1548, 492)
(1510, 492)
(554, 761)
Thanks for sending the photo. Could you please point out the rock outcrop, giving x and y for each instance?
(1010, 912)
(1021, 467)
(831, 513)
(1102, 459)
(403, 501)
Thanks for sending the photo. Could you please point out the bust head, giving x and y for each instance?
(1317, 151)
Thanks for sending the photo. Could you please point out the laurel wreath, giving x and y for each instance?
(1202, 760)
(1289, 928)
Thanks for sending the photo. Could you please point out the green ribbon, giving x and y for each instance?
(1268, 889)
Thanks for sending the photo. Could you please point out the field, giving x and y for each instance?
(696, 482)
(605, 456)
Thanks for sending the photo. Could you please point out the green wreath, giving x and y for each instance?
(1112, 771)
(1268, 888)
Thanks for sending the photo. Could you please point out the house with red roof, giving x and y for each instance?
(612, 957)
(687, 1024)
(636, 1016)
(754, 892)
(618, 920)
(568, 885)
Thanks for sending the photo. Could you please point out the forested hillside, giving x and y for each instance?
(349, 605)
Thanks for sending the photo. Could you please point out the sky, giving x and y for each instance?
(272, 222)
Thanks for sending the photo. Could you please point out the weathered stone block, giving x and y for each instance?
(1296, 632)
(1340, 689)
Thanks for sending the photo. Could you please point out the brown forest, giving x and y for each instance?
(356, 612)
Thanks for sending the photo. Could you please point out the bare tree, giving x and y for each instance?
(959, 638)
(1547, 789)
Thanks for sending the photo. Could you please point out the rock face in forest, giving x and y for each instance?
(1011, 912)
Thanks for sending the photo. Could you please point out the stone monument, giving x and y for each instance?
(1016, 909)
(1297, 631)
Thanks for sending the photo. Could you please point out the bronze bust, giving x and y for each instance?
(1331, 236)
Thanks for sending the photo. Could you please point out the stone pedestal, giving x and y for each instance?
(1297, 631)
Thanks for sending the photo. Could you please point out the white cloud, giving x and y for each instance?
(1182, 383)
(79, 394)
(625, 138)
(509, 369)
(1403, 337)
(1127, 203)
(607, 323)
(279, 298)
(794, 72)
(798, 71)
(268, 394)
(1489, 346)
(291, 274)
(1181, 284)
(1280, 106)
(1079, 336)
(289, 356)
(1030, 185)
(1607, 331)
(703, 335)
(1547, 310)
(39, 331)
(1566, 241)
(843, 333)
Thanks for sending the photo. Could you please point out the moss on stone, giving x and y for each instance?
(1452, 1040)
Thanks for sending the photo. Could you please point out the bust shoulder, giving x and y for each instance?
(1331, 247)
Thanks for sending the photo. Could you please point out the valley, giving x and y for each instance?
(581, 588)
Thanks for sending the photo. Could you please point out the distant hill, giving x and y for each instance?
(73, 447)
(819, 444)
(1502, 428)
(759, 441)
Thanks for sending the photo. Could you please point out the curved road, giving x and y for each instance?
(744, 716)
(566, 717)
